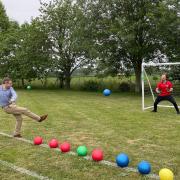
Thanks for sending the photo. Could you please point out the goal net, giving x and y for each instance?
(151, 74)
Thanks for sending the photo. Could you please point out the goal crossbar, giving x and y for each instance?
(160, 64)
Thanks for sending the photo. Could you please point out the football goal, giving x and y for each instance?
(151, 73)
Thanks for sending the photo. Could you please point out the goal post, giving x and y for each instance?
(150, 76)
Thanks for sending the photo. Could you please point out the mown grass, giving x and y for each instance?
(115, 124)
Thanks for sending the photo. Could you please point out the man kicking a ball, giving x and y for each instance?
(164, 89)
(8, 98)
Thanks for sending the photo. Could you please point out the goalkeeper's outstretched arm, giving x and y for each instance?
(170, 90)
(157, 90)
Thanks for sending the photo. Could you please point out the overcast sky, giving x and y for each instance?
(22, 10)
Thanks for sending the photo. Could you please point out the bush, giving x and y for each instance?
(132, 87)
(125, 87)
(90, 85)
(155, 78)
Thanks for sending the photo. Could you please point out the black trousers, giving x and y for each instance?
(165, 98)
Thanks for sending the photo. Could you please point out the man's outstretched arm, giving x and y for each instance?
(13, 95)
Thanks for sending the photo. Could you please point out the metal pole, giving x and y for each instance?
(142, 84)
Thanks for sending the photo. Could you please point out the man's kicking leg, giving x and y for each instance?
(30, 114)
(18, 112)
(14, 109)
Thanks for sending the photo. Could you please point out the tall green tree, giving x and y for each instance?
(4, 25)
(170, 29)
(8, 41)
(9, 46)
(127, 32)
(65, 23)
(32, 57)
(4, 20)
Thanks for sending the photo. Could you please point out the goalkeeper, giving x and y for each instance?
(164, 89)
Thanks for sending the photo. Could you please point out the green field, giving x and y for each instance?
(115, 124)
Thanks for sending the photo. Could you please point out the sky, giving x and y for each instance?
(22, 10)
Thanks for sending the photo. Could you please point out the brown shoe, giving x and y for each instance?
(43, 117)
(17, 136)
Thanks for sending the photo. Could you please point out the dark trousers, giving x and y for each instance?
(165, 98)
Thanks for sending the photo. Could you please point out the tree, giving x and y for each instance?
(24, 51)
(65, 24)
(32, 57)
(4, 20)
(170, 29)
(127, 33)
(8, 41)
(4, 25)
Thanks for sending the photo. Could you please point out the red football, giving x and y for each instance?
(65, 147)
(38, 140)
(53, 143)
(97, 155)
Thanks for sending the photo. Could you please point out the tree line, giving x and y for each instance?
(109, 37)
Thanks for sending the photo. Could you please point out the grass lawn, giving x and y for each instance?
(115, 124)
